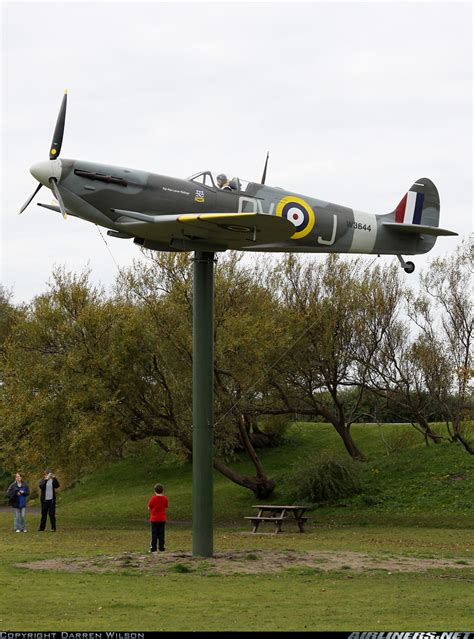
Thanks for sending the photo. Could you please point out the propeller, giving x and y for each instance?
(265, 169)
(30, 199)
(57, 195)
(51, 172)
(59, 130)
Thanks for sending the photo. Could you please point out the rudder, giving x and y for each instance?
(420, 205)
(418, 214)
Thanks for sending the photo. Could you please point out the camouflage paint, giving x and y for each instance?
(94, 191)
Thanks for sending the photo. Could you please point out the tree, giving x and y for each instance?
(335, 315)
(8, 315)
(85, 373)
(443, 311)
(397, 374)
(423, 365)
(55, 405)
(245, 338)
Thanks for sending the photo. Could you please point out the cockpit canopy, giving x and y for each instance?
(209, 179)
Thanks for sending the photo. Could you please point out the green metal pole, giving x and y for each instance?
(203, 402)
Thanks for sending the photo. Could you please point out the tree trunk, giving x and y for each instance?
(257, 437)
(458, 436)
(428, 431)
(250, 449)
(349, 443)
(262, 487)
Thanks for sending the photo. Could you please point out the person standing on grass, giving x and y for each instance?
(17, 492)
(157, 507)
(48, 486)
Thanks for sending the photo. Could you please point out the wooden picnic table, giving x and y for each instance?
(272, 513)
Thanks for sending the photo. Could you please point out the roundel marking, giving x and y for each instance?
(299, 212)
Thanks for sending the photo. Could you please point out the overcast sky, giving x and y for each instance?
(354, 101)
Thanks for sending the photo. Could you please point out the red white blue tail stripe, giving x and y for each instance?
(410, 208)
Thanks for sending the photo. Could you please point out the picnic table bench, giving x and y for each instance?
(277, 515)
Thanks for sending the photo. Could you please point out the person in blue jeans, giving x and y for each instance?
(17, 492)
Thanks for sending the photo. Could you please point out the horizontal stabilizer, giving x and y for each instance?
(418, 229)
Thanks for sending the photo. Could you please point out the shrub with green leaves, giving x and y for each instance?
(274, 428)
(324, 480)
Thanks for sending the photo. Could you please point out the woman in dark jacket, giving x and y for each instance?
(17, 492)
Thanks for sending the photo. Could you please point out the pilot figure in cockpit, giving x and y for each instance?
(223, 182)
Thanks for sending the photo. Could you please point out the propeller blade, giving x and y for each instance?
(59, 130)
(265, 169)
(57, 195)
(29, 199)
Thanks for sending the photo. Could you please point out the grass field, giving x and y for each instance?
(417, 504)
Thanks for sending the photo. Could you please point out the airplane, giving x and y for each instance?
(209, 213)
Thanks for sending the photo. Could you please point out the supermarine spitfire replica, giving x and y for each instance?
(208, 213)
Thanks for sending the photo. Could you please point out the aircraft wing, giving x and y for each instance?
(417, 228)
(222, 230)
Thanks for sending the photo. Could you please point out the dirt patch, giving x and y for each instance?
(246, 562)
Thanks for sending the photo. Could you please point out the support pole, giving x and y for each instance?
(203, 402)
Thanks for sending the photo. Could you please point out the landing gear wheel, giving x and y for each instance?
(409, 267)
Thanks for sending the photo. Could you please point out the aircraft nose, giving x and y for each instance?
(45, 170)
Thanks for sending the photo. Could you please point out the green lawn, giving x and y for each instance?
(417, 502)
(290, 600)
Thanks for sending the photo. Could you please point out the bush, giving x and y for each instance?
(323, 481)
(272, 428)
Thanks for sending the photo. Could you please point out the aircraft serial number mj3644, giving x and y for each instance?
(209, 213)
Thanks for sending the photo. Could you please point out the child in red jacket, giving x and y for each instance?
(157, 507)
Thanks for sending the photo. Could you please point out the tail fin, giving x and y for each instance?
(418, 211)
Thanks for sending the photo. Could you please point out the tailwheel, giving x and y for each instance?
(408, 267)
